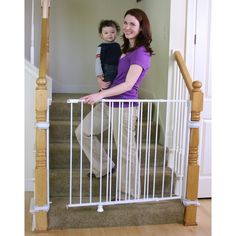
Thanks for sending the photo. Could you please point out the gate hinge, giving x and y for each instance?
(188, 202)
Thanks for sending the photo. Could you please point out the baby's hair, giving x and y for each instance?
(107, 23)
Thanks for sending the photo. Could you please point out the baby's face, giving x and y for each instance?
(108, 33)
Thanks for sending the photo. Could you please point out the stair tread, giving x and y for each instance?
(115, 215)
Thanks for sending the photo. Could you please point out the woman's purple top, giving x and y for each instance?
(138, 57)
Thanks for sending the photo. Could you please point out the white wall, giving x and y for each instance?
(178, 12)
(30, 82)
(27, 28)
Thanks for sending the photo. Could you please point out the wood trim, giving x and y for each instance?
(184, 71)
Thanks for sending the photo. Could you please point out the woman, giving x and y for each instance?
(133, 66)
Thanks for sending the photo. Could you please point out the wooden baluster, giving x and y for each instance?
(41, 116)
(193, 167)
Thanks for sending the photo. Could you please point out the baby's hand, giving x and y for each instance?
(101, 83)
(100, 77)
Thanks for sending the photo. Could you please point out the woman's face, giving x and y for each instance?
(131, 27)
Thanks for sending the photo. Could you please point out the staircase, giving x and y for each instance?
(116, 215)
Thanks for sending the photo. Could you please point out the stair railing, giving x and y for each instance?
(41, 107)
(196, 97)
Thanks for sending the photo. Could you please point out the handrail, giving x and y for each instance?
(184, 71)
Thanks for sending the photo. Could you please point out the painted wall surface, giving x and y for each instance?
(28, 5)
(177, 41)
(30, 84)
(178, 34)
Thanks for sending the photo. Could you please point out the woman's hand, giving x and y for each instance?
(92, 98)
(101, 83)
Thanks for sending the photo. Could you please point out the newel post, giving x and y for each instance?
(41, 95)
(193, 167)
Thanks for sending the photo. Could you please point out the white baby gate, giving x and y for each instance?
(152, 182)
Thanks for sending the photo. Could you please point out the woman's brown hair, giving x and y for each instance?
(144, 38)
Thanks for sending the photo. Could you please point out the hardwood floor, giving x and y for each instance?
(203, 228)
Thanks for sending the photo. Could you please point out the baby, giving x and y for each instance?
(108, 52)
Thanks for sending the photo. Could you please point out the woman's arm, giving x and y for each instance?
(131, 78)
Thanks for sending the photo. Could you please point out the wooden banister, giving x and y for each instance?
(196, 96)
(184, 71)
(41, 97)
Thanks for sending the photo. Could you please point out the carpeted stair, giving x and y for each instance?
(116, 215)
